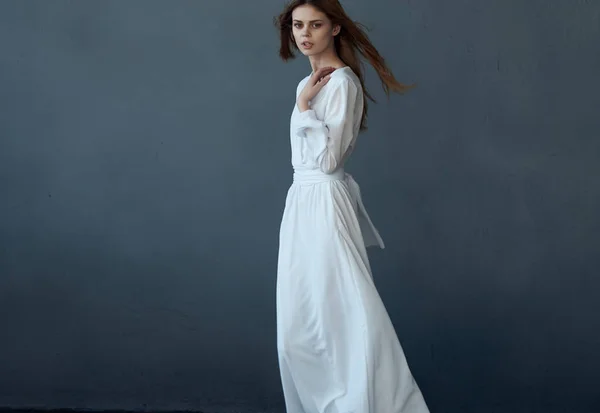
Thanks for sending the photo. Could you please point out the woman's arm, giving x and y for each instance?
(330, 137)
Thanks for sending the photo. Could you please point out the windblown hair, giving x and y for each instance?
(351, 40)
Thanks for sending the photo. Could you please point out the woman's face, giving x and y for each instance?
(312, 30)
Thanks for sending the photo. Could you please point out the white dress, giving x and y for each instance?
(337, 348)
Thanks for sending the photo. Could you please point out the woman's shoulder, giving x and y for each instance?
(344, 72)
(344, 76)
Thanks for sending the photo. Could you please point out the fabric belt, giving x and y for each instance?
(370, 234)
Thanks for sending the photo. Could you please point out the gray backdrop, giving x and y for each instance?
(144, 162)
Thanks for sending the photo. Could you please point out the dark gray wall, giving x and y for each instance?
(144, 160)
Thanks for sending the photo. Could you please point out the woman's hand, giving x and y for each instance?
(316, 81)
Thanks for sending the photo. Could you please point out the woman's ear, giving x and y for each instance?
(336, 29)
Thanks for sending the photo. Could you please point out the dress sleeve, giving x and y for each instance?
(332, 135)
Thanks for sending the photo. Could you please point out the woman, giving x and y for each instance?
(337, 348)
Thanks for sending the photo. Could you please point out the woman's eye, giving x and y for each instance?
(297, 25)
(316, 26)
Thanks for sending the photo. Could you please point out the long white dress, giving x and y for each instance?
(338, 350)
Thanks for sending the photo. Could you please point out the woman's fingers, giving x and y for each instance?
(322, 72)
(325, 70)
(322, 82)
(325, 79)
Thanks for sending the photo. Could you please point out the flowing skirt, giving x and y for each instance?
(337, 348)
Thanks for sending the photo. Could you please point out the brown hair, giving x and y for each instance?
(351, 38)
